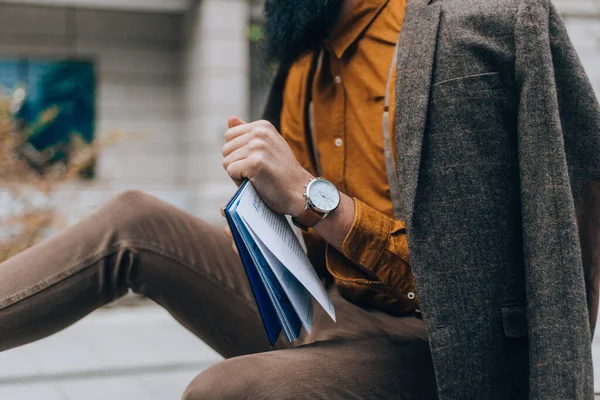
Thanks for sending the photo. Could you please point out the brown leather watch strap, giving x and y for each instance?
(307, 219)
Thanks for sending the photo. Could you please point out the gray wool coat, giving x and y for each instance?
(498, 142)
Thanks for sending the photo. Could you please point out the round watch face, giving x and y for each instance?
(323, 195)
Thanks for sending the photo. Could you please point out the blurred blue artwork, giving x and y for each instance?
(65, 90)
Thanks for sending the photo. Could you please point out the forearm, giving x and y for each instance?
(336, 226)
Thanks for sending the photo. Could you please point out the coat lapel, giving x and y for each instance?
(414, 74)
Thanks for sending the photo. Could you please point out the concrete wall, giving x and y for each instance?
(216, 71)
(168, 81)
(138, 66)
(585, 34)
(582, 18)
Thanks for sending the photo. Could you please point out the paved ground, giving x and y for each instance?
(115, 354)
(127, 353)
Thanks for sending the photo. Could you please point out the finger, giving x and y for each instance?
(235, 144)
(223, 210)
(258, 136)
(235, 250)
(236, 127)
(242, 169)
(228, 232)
(237, 155)
(240, 130)
(232, 122)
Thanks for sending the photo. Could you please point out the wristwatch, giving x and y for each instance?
(322, 198)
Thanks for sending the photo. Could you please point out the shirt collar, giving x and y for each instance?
(353, 24)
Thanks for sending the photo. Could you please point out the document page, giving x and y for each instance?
(274, 231)
(266, 307)
(295, 291)
(281, 299)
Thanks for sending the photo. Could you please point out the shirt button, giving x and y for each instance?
(338, 79)
(339, 142)
(411, 295)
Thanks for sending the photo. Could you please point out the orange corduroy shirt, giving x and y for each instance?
(348, 95)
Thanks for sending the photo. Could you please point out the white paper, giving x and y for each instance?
(267, 277)
(275, 232)
(298, 295)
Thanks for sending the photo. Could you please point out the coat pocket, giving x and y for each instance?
(470, 85)
(514, 320)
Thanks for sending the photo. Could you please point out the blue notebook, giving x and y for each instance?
(281, 276)
(266, 289)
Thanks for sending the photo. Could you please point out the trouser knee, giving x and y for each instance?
(230, 379)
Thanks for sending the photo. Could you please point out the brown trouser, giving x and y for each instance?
(188, 267)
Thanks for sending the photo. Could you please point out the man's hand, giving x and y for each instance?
(258, 152)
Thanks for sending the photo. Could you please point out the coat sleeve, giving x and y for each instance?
(559, 156)
(580, 122)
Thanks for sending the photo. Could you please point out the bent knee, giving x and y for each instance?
(217, 382)
(130, 199)
(235, 378)
(132, 205)
(133, 215)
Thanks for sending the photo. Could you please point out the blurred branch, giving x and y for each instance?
(29, 177)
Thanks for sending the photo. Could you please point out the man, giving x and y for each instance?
(493, 213)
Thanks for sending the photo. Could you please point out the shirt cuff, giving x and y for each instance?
(368, 236)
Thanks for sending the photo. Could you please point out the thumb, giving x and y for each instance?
(232, 122)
